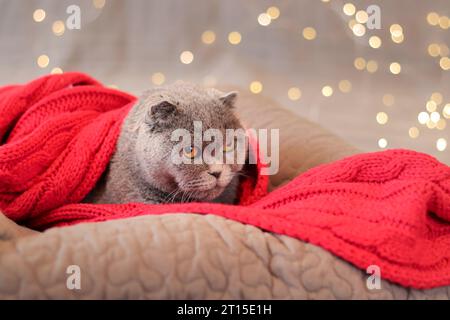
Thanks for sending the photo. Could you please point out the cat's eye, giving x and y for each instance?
(190, 152)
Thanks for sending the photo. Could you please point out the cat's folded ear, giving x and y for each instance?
(161, 113)
(229, 98)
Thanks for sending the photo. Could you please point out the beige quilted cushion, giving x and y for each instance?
(193, 256)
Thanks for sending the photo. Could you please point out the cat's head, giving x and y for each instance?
(188, 167)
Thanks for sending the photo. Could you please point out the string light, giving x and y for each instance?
(444, 62)
(56, 70)
(362, 16)
(423, 117)
(434, 50)
(39, 15)
(234, 37)
(360, 63)
(264, 19)
(441, 124)
(43, 61)
(441, 144)
(444, 22)
(273, 12)
(309, 33)
(431, 106)
(413, 132)
(382, 143)
(327, 91)
(436, 97)
(345, 86)
(435, 117)
(382, 117)
(395, 68)
(446, 111)
(294, 93)
(375, 42)
(208, 37)
(359, 30)
(433, 18)
(186, 57)
(349, 9)
(256, 87)
(58, 28)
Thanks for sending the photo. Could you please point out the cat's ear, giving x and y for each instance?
(161, 112)
(229, 98)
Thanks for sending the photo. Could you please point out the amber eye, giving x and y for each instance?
(190, 152)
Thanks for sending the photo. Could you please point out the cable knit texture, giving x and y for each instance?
(390, 209)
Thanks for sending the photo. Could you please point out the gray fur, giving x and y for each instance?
(141, 169)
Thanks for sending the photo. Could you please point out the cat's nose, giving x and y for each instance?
(215, 174)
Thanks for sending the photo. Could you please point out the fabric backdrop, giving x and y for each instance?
(124, 43)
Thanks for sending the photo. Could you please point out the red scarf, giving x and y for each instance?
(390, 209)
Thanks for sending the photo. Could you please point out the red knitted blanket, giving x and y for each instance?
(390, 209)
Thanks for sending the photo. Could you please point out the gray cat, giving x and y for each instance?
(141, 169)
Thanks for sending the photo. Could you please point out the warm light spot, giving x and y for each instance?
(208, 37)
(444, 62)
(256, 87)
(441, 124)
(375, 42)
(382, 143)
(99, 3)
(186, 57)
(382, 117)
(43, 61)
(234, 37)
(345, 86)
(436, 97)
(360, 63)
(446, 111)
(434, 50)
(372, 66)
(359, 30)
(441, 144)
(273, 12)
(349, 9)
(39, 15)
(264, 19)
(431, 124)
(327, 91)
(388, 100)
(294, 93)
(352, 23)
(413, 132)
(158, 78)
(58, 28)
(444, 22)
(56, 71)
(435, 117)
(396, 30)
(398, 39)
(395, 67)
(309, 33)
(423, 117)
(433, 18)
(431, 106)
(362, 16)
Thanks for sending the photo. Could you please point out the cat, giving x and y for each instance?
(141, 169)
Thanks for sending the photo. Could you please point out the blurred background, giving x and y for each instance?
(379, 88)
